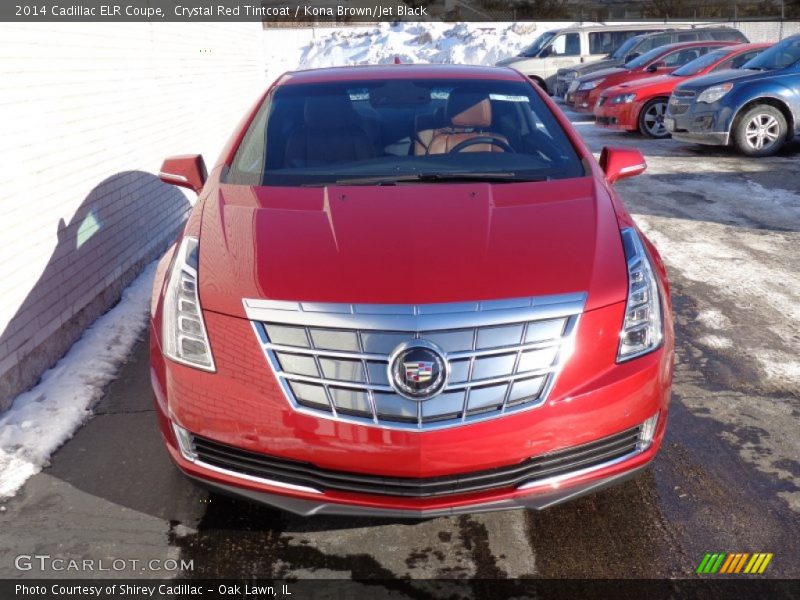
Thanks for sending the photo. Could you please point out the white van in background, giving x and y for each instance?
(560, 48)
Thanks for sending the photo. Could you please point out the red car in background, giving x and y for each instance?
(640, 105)
(409, 290)
(584, 92)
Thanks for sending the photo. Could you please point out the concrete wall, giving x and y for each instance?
(767, 31)
(87, 113)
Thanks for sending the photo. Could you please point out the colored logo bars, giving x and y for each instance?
(419, 372)
(731, 563)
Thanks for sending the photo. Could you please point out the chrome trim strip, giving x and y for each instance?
(417, 317)
(378, 387)
(361, 385)
(556, 480)
(270, 482)
(344, 354)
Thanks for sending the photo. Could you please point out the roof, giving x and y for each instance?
(618, 27)
(403, 71)
(680, 45)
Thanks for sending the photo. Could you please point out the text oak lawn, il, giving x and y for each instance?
(124, 589)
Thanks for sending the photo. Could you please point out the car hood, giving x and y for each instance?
(603, 73)
(705, 81)
(659, 81)
(514, 59)
(596, 65)
(409, 244)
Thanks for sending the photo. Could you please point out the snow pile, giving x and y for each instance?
(43, 418)
(461, 43)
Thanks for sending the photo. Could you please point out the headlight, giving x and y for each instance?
(714, 93)
(184, 332)
(590, 85)
(642, 328)
(623, 99)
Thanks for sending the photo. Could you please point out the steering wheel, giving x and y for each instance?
(484, 139)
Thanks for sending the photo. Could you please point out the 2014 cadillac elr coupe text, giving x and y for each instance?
(409, 290)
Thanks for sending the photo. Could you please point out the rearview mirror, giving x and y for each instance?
(187, 170)
(619, 163)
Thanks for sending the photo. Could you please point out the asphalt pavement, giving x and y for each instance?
(726, 480)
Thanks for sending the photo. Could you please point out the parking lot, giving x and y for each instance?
(727, 478)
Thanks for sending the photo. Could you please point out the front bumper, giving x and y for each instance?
(244, 408)
(307, 508)
(697, 123)
(582, 101)
(618, 117)
(561, 88)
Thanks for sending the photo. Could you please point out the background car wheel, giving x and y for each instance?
(651, 119)
(761, 131)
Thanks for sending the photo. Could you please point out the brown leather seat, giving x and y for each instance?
(330, 134)
(470, 116)
(426, 126)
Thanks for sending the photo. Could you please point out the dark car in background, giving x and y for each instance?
(755, 108)
(638, 45)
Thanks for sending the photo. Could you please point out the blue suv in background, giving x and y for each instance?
(756, 108)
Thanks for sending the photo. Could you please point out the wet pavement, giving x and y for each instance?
(727, 478)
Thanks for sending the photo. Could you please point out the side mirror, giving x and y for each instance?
(546, 52)
(187, 170)
(620, 163)
(633, 55)
(656, 66)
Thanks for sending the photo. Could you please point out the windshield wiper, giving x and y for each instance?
(438, 177)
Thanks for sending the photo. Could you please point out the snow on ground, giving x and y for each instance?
(43, 418)
(727, 222)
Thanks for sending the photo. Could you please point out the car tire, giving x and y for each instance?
(761, 131)
(651, 119)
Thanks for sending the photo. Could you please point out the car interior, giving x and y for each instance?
(365, 129)
(333, 130)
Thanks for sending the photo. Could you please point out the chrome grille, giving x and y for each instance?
(332, 359)
(679, 93)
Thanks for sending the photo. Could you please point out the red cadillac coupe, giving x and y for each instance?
(409, 291)
(640, 105)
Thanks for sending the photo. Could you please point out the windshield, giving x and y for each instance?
(779, 56)
(623, 50)
(403, 130)
(537, 45)
(645, 58)
(698, 64)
